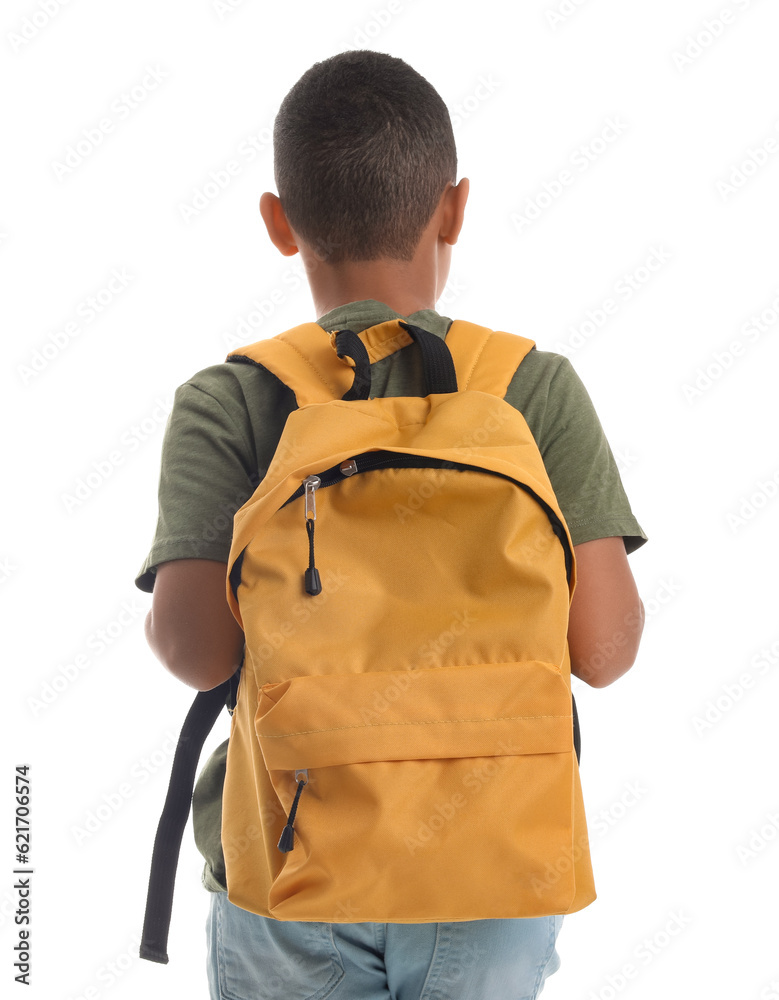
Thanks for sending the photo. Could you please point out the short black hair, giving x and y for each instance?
(363, 150)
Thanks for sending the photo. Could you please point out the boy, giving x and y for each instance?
(365, 165)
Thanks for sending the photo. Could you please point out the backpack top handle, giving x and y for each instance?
(437, 361)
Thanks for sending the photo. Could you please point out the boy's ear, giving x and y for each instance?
(276, 223)
(453, 210)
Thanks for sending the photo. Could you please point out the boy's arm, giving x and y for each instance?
(212, 461)
(190, 628)
(193, 632)
(607, 615)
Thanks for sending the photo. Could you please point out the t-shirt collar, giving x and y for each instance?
(363, 313)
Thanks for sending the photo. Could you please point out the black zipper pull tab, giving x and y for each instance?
(311, 579)
(287, 838)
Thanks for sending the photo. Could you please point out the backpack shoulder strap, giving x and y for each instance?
(304, 359)
(198, 724)
(485, 360)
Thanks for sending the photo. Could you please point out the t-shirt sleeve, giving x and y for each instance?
(207, 473)
(581, 465)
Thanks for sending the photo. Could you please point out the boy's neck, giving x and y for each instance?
(406, 287)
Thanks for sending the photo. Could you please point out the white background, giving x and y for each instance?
(683, 815)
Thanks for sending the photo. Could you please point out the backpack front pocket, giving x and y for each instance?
(421, 795)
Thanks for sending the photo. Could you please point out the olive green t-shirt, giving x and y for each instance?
(226, 422)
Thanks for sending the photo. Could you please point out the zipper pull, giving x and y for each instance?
(311, 579)
(287, 838)
(311, 484)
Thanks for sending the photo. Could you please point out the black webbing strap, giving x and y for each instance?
(167, 844)
(577, 738)
(348, 344)
(436, 359)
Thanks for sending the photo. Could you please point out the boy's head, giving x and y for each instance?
(363, 155)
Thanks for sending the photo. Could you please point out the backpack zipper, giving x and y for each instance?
(311, 577)
(287, 838)
(392, 459)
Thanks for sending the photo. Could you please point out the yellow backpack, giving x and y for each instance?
(404, 744)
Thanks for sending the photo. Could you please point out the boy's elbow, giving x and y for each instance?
(193, 663)
(606, 615)
(190, 628)
(611, 655)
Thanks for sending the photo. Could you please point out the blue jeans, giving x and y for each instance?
(258, 958)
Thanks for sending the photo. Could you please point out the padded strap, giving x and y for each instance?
(303, 358)
(486, 360)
